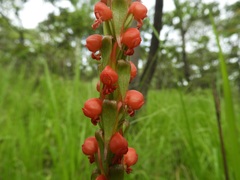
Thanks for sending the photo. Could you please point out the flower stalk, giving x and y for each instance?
(109, 149)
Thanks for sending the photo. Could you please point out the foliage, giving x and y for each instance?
(231, 133)
(42, 129)
(194, 26)
(60, 41)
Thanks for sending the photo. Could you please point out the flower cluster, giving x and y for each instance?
(108, 148)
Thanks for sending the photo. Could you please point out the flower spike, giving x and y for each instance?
(109, 149)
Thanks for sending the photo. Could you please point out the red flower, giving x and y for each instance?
(118, 144)
(90, 146)
(101, 177)
(130, 159)
(131, 38)
(139, 12)
(94, 44)
(134, 100)
(133, 71)
(92, 109)
(109, 78)
(102, 13)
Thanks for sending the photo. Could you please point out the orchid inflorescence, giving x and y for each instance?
(108, 148)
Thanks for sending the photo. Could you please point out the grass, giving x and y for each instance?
(231, 135)
(42, 129)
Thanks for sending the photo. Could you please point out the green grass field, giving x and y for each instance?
(42, 129)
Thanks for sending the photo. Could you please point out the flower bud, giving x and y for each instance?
(118, 144)
(131, 38)
(131, 157)
(133, 71)
(102, 13)
(94, 42)
(134, 99)
(108, 76)
(92, 108)
(139, 11)
(90, 146)
(101, 177)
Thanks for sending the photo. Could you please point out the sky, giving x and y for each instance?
(35, 11)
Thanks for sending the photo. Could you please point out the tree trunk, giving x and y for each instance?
(183, 31)
(184, 56)
(151, 64)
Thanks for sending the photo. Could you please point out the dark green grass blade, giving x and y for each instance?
(230, 135)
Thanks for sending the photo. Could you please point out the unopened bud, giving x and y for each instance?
(131, 38)
(118, 144)
(90, 146)
(92, 108)
(134, 99)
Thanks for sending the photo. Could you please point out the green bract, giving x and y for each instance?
(123, 70)
(120, 11)
(106, 50)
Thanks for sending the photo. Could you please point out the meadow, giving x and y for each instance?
(42, 128)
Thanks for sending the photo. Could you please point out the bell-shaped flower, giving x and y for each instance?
(90, 147)
(130, 159)
(134, 101)
(102, 13)
(94, 44)
(139, 12)
(118, 144)
(131, 38)
(109, 78)
(92, 109)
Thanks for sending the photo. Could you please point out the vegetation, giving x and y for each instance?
(42, 129)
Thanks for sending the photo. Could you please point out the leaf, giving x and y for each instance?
(120, 11)
(106, 50)
(116, 172)
(123, 70)
(109, 118)
(231, 134)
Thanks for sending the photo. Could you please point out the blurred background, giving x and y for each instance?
(46, 75)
